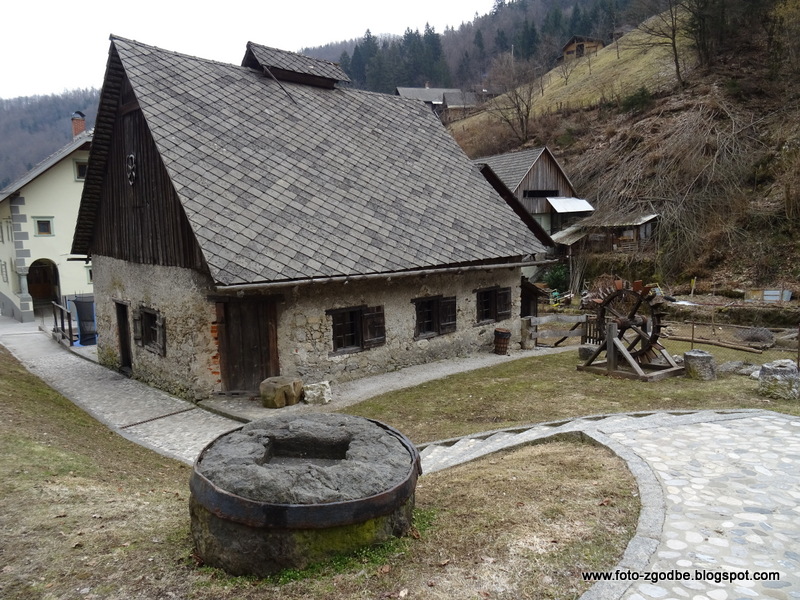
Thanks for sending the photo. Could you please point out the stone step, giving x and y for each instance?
(445, 454)
(493, 443)
(431, 452)
(479, 447)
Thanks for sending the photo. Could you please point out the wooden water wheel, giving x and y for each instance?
(632, 316)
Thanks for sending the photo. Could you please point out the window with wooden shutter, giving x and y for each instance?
(503, 304)
(435, 315)
(493, 304)
(373, 327)
(357, 328)
(346, 329)
(149, 330)
(447, 314)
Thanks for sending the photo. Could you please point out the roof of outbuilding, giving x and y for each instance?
(434, 95)
(569, 205)
(459, 99)
(511, 168)
(284, 182)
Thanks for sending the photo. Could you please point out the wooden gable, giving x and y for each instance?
(140, 218)
(545, 178)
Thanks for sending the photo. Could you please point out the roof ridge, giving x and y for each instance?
(116, 38)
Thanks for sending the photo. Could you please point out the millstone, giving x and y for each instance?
(286, 491)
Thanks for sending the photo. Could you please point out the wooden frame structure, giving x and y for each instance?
(618, 356)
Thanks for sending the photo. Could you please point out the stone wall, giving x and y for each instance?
(305, 342)
(180, 295)
(190, 366)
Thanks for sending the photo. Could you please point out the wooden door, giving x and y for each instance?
(124, 335)
(248, 331)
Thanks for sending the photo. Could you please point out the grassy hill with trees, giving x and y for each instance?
(33, 127)
(699, 124)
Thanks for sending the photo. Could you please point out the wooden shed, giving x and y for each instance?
(539, 183)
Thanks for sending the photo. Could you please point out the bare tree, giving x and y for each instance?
(517, 80)
(695, 177)
(664, 28)
(565, 68)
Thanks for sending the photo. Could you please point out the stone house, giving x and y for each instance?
(264, 219)
(37, 220)
(538, 182)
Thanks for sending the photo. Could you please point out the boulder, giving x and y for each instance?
(779, 379)
(586, 351)
(700, 365)
(317, 393)
(277, 392)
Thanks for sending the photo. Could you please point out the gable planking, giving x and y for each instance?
(141, 218)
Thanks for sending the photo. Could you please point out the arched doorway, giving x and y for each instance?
(43, 282)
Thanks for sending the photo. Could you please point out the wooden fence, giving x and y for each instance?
(554, 326)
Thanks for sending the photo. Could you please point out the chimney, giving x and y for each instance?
(78, 123)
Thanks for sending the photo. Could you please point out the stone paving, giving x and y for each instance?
(720, 490)
(136, 411)
(732, 506)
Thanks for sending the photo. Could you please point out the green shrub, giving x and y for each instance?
(638, 101)
(557, 277)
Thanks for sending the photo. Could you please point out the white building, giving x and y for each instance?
(37, 222)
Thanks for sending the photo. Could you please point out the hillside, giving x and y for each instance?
(716, 157)
(32, 128)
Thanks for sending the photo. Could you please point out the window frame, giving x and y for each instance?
(492, 305)
(78, 163)
(356, 328)
(149, 330)
(442, 319)
(49, 221)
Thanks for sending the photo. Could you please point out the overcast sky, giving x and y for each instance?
(48, 47)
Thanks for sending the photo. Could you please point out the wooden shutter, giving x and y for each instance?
(161, 335)
(373, 327)
(137, 328)
(503, 304)
(447, 314)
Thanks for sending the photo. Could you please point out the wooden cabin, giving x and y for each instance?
(262, 219)
(579, 46)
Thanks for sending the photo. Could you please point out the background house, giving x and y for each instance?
(37, 220)
(579, 46)
(541, 186)
(447, 103)
(631, 233)
(255, 220)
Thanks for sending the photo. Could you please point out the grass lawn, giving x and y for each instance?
(85, 513)
(548, 388)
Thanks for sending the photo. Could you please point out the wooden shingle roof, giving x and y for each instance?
(512, 168)
(283, 182)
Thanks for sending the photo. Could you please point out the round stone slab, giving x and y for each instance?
(286, 491)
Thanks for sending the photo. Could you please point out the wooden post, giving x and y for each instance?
(611, 351)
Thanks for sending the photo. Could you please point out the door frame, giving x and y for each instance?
(233, 371)
(124, 336)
